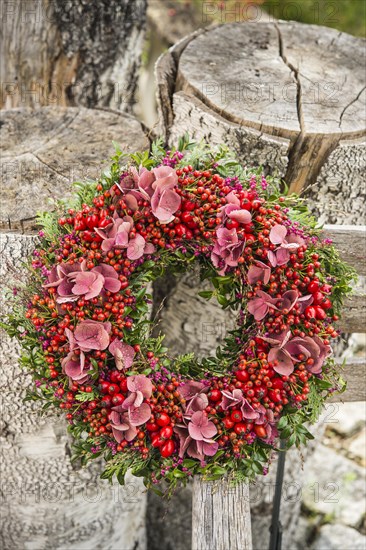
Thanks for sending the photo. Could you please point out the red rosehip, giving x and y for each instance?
(116, 376)
(246, 204)
(277, 384)
(232, 224)
(123, 385)
(189, 206)
(318, 298)
(180, 230)
(215, 395)
(313, 286)
(260, 431)
(167, 449)
(106, 401)
(236, 416)
(118, 399)
(240, 428)
(310, 312)
(163, 420)
(156, 441)
(327, 304)
(166, 432)
(260, 391)
(320, 313)
(104, 386)
(112, 389)
(242, 375)
(228, 423)
(275, 396)
(152, 427)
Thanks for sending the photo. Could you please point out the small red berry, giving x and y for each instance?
(167, 449)
(163, 420)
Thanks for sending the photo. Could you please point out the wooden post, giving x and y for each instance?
(220, 516)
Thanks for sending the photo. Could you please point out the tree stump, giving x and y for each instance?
(48, 502)
(250, 86)
(71, 53)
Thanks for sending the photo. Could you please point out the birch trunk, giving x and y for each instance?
(48, 503)
(250, 86)
(84, 52)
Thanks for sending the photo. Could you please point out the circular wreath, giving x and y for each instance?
(85, 328)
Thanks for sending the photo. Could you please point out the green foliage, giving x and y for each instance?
(345, 15)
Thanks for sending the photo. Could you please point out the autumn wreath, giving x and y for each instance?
(82, 317)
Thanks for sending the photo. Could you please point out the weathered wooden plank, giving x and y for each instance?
(355, 375)
(354, 313)
(350, 240)
(220, 516)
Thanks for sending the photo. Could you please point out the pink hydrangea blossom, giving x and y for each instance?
(133, 411)
(233, 211)
(158, 187)
(118, 235)
(121, 425)
(259, 272)
(74, 366)
(236, 399)
(195, 436)
(287, 301)
(227, 249)
(196, 431)
(73, 281)
(165, 201)
(261, 304)
(123, 354)
(140, 387)
(277, 236)
(286, 351)
(89, 335)
(59, 277)
(195, 394)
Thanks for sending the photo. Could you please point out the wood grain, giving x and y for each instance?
(242, 77)
(220, 516)
(354, 373)
(350, 241)
(44, 151)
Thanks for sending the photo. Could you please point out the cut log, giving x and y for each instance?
(220, 516)
(250, 86)
(44, 152)
(48, 501)
(71, 53)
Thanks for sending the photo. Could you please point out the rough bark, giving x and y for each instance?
(48, 503)
(251, 87)
(84, 52)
